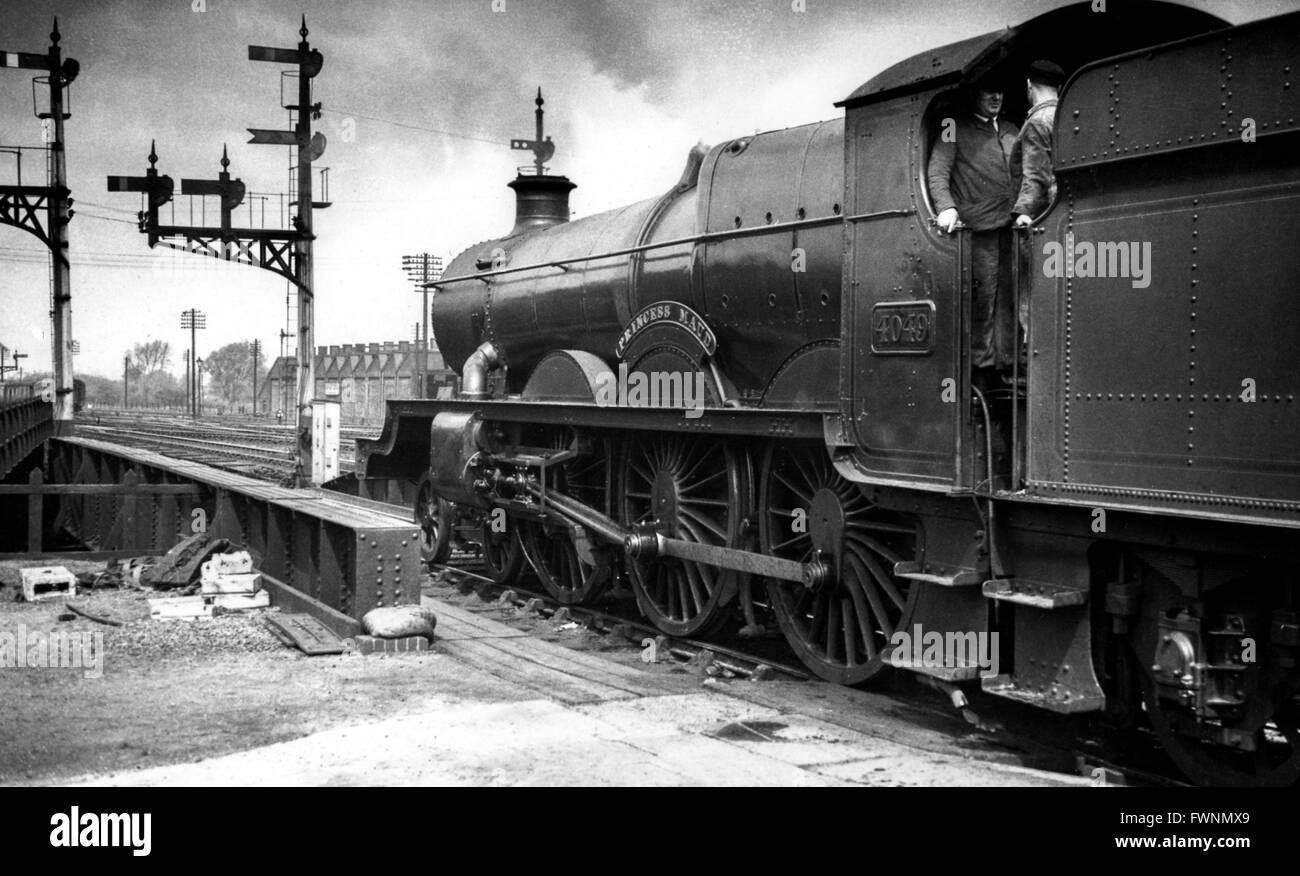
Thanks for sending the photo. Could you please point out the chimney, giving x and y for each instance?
(540, 201)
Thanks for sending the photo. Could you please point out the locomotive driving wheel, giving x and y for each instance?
(572, 565)
(841, 627)
(437, 519)
(1275, 762)
(691, 488)
(1225, 715)
(1218, 676)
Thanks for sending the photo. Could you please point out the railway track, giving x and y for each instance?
(265, 462)
(993, 727)
(730, 661)
(261, 450)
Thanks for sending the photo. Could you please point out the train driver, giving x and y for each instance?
(970, 180)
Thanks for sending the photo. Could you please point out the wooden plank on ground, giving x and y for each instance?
(561, 673)
(290, 600)
(306, 633)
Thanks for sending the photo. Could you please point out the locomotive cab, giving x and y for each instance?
(909, 403)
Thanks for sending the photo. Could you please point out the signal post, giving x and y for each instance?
(21, 206)
(287, 252)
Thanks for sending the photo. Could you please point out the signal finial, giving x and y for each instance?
(302, 31)
(225, 159)
(153, 155)
(54, 34)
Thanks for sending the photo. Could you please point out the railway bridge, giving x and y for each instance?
(74, 497)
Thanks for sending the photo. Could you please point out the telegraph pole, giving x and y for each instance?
(419, 361)
(423, 269)
(284, 397)
(257, 348)
(193, 320)
(126, 380)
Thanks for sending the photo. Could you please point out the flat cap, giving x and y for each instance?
(1046, 73)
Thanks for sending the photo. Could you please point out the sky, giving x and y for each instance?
(420, 100)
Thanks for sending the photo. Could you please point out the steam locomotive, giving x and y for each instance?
(1124, 516)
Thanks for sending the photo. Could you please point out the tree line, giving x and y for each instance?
(156, 380)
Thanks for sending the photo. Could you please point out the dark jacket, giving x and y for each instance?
(972, 174)
(1031, 160)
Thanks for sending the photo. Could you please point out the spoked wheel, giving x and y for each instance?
(695, 489)
(841, 628)
(1275, 762)
(436, 518)
(571, 564)
(503, 555)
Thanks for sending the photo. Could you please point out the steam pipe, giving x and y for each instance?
(473, 377)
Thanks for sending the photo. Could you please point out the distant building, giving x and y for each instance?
(361, 377)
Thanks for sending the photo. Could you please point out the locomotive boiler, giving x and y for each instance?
(1122, 513)
(751, 236)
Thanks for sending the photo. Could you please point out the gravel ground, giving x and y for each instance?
(189, 691)
(179, 691)
(139, 635)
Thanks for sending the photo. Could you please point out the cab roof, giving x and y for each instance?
(1058, 34)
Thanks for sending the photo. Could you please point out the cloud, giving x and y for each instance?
(616, 37)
